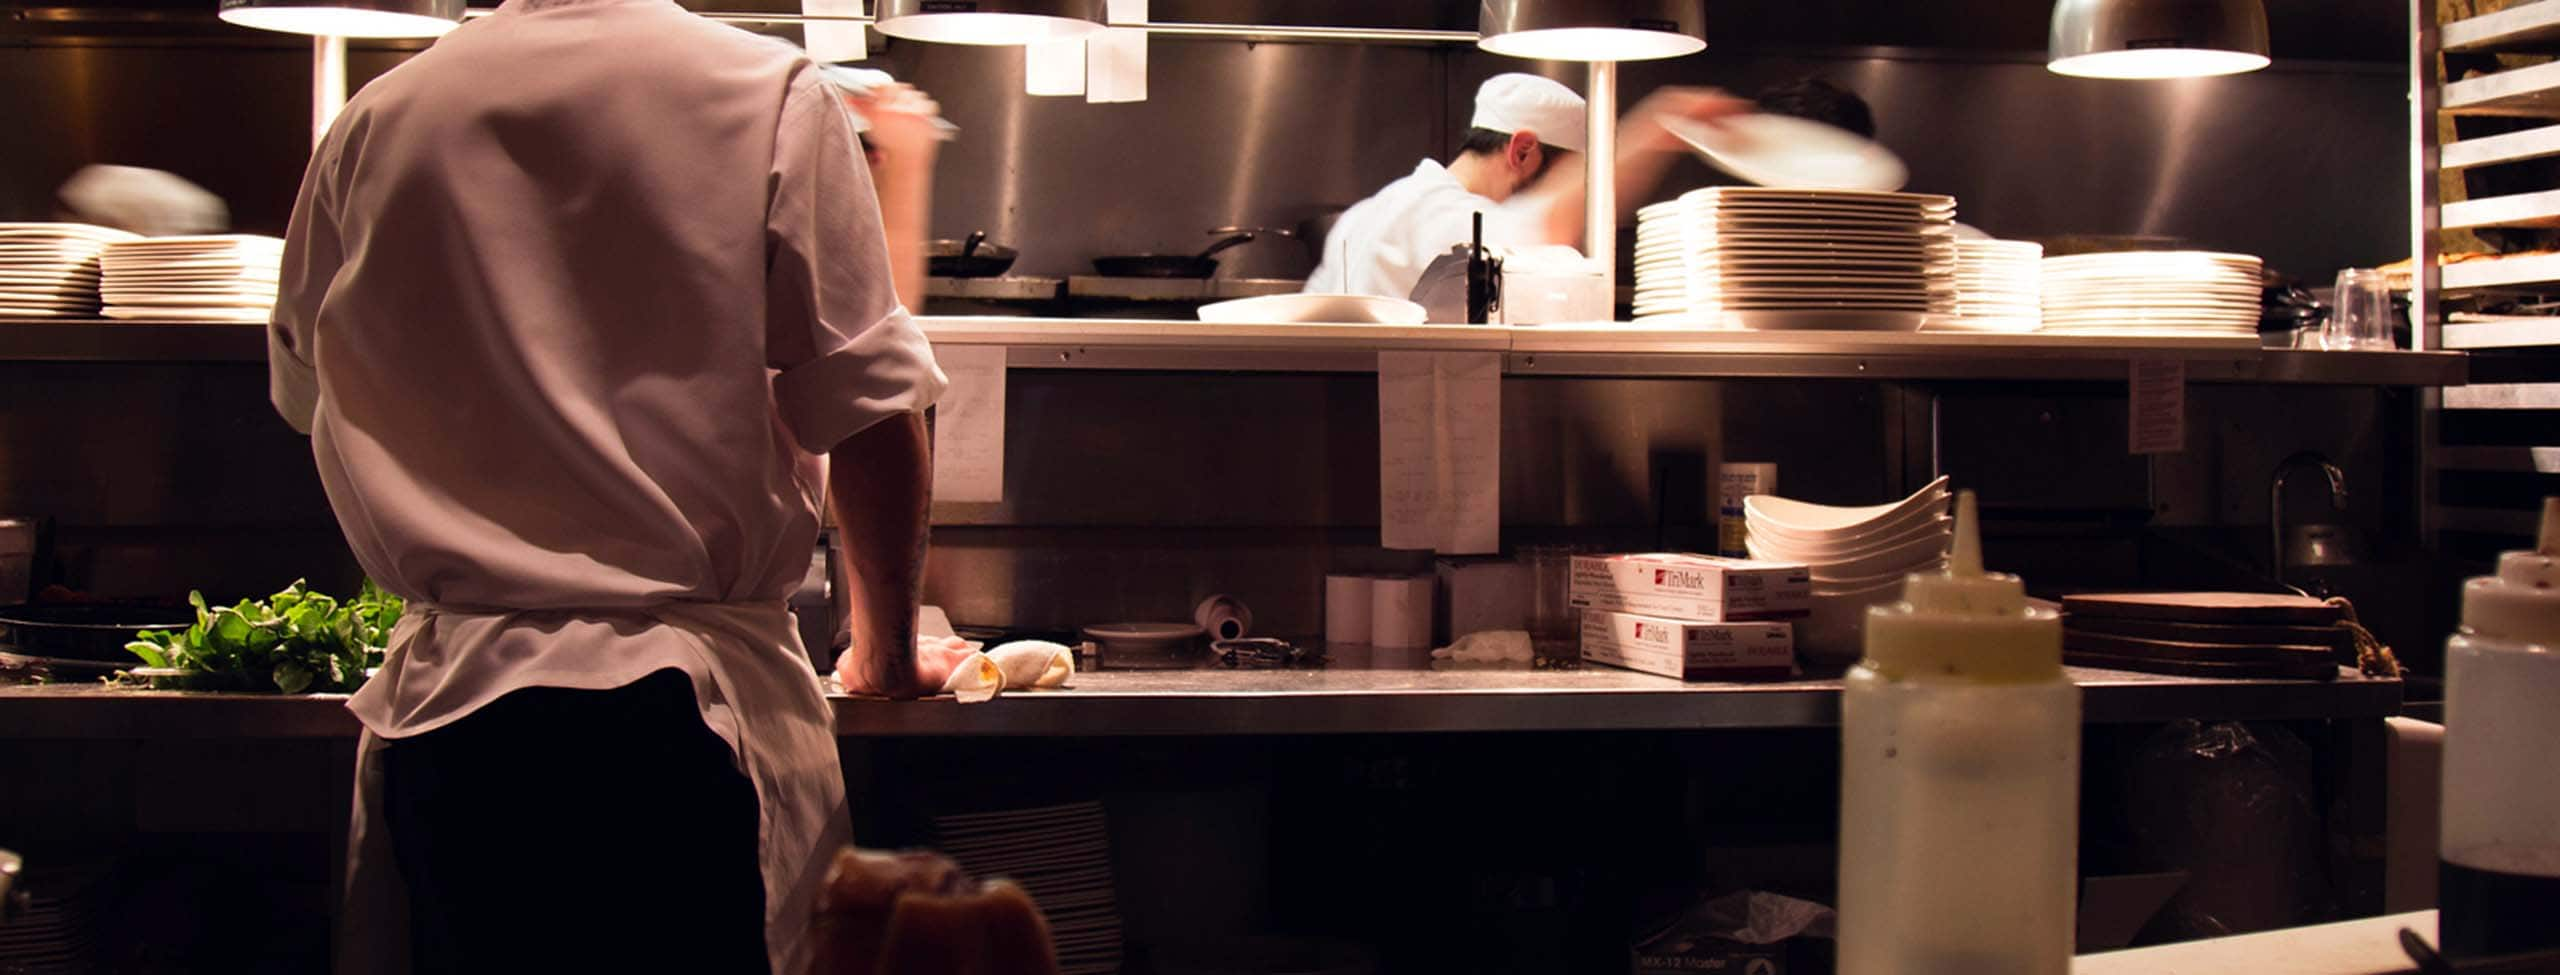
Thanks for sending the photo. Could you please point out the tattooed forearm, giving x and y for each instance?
(881, 483)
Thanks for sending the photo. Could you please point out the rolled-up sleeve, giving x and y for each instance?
(846, 354)
(312, 255)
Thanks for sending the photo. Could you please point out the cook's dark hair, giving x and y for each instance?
(1821, 101)
(1487, 142)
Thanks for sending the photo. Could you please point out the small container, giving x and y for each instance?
(1959, 780)
(2500, 839)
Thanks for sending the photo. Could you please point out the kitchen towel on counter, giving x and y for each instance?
(1400, 611)
(1350, 604)
(1440, 451)
(1035, 664)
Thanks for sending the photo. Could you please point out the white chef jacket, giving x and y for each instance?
(571, 304)
(1382, 244)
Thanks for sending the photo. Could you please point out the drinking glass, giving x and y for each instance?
(2360, 314)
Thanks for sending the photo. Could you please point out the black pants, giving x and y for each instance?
(577, 831)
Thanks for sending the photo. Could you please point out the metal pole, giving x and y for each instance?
(328, 84)
(2426, 237)
(1600, 165)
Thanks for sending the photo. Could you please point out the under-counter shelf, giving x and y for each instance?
(1593, 350)
(1263, 702)
(2527, 28)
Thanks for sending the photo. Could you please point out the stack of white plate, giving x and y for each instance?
(1762, 258)
(2152, 293)
(224, 278)
(1061, 855)
(1857, 557)
(50, 270)
(1999, 287)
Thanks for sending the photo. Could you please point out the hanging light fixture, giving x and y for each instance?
(346, 18)
(2157, 38)
(990, 21)
(1592, 30)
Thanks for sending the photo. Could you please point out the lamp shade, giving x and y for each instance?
(990, 21)
(2157, 38)
(347, 18)
(1592, 30)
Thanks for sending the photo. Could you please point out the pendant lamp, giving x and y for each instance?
(995, 22)
(2157, 38)
(1592, 30)
(347, 18)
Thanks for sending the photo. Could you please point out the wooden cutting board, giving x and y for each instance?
(2198, 659)
(2337, 638)
(2231, 608)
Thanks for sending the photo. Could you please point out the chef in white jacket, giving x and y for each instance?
(571, 349)
(1520, 166)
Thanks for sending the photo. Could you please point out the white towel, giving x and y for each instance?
(1034, 664)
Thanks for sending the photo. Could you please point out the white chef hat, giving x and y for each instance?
(1518, 102)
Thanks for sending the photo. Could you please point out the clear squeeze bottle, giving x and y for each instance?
(2500, 879)
(1959, 779)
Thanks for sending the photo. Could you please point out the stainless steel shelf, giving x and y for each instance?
(2502, 333)
(2507, 147)
(1128, 344)
(2538, 209)
(2503, 396)
(995, 289)
(2523, 28)
(2502, 272)
(2532, 92)
(2528, 460)
(1262, 703)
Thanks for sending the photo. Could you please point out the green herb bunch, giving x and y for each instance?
(294, 641)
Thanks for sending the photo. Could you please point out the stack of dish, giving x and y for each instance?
(224, 278)
(1761, 258)
(2153, 293)
(1857, 557)
(1061, 855)
(50, 270)
(1999, 287)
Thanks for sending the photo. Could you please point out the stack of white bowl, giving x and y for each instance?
(1999, 287)
(1857, 557)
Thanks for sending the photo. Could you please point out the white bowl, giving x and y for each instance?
(1835, 632)
(1869, 536)
(1811, 522)
(1928, 549)
(1932, 533)
(1868, 583)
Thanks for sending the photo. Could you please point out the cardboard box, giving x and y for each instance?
(1703, 588)
(1690, 650)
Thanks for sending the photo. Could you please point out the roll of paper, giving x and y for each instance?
(1223, 617)
(1400, 611)
(1347, 603)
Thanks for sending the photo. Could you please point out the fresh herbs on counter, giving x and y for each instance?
(294, 641)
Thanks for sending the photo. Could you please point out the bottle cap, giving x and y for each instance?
(2521, 603)
(1964, 622)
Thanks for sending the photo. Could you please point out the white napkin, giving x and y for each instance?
(1489, 647)
(1034, 664)
(977, 679)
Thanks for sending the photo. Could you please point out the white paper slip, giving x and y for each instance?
(2156, 408)
(968, 425)
(1440, 451)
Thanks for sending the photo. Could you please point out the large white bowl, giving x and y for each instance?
(1835, 631)
(1806, 521)
(1780, 549)
(1922, 551)
(1872, 535)
(1860, 585)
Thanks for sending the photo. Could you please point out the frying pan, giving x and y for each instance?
(94, 633)
(970, 258)
(1199, 265)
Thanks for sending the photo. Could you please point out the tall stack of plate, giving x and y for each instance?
(1061, 855)
(50, 270)
(1999, 287)
(1751, 257)
(223, 278)
(2153, 293)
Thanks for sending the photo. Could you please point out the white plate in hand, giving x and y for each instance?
(1785, 151)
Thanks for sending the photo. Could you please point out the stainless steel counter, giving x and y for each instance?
(1220, 702)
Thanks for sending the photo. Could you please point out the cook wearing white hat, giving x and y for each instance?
(1520, 165)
